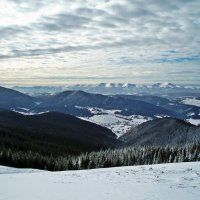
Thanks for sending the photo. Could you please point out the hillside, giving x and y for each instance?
(184, 107)
(52, 133)
(175, 181)
(75, 103)
(161, 132)
(13, 99)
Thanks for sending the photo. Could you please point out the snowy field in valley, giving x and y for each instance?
(111, 119)
(191, 101)
(194, 121)
(153, 182)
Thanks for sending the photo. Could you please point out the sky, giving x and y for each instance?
(58, 42)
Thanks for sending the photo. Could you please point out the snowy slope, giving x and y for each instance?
(195, 122)
(154, 182)
(191, 101)
(12, 170)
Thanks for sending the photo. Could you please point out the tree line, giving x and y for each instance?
(128, 156)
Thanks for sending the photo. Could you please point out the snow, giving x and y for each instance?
(28, 112)
(11, 170)
(119, 124)
(25, 109)
(105, 119)
(194, 121)
(161, 116)
(191, 114)
(111, 88)
(164, 85)
(108, 85)
(177, 181)
(191, 101)
(125, 85)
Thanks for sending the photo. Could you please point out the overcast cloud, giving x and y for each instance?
(61, 41)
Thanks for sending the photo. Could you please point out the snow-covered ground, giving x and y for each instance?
(111, 119)
(191, 101)
(26, 111)
(11, 170)
(195, 122)
(153, 182)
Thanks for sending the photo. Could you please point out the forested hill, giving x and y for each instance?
(162, 132)
(52, 133)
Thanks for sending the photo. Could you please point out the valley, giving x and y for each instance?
(118, 112)
(35, 129)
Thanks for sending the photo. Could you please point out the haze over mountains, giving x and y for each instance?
(159, 89)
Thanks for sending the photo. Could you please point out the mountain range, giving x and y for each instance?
(50, 117)
(159, 89)
(77, 103)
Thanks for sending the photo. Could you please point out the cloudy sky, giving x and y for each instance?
(53, 42)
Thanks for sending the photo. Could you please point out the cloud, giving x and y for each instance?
(32, 5)
(179, 59)
(131, 10)
(62, 22)
(12, 31)
(93, 35)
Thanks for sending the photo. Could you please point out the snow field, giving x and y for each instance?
(177, 181)
(119, 124)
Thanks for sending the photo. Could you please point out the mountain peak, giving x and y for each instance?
(164, 85)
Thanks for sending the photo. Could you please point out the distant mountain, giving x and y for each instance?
(162, 132)
(183, 108)
(169, 90)
(76, 102)
(155, 100)
(68, 133)
(166, 85)
(12, 99)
